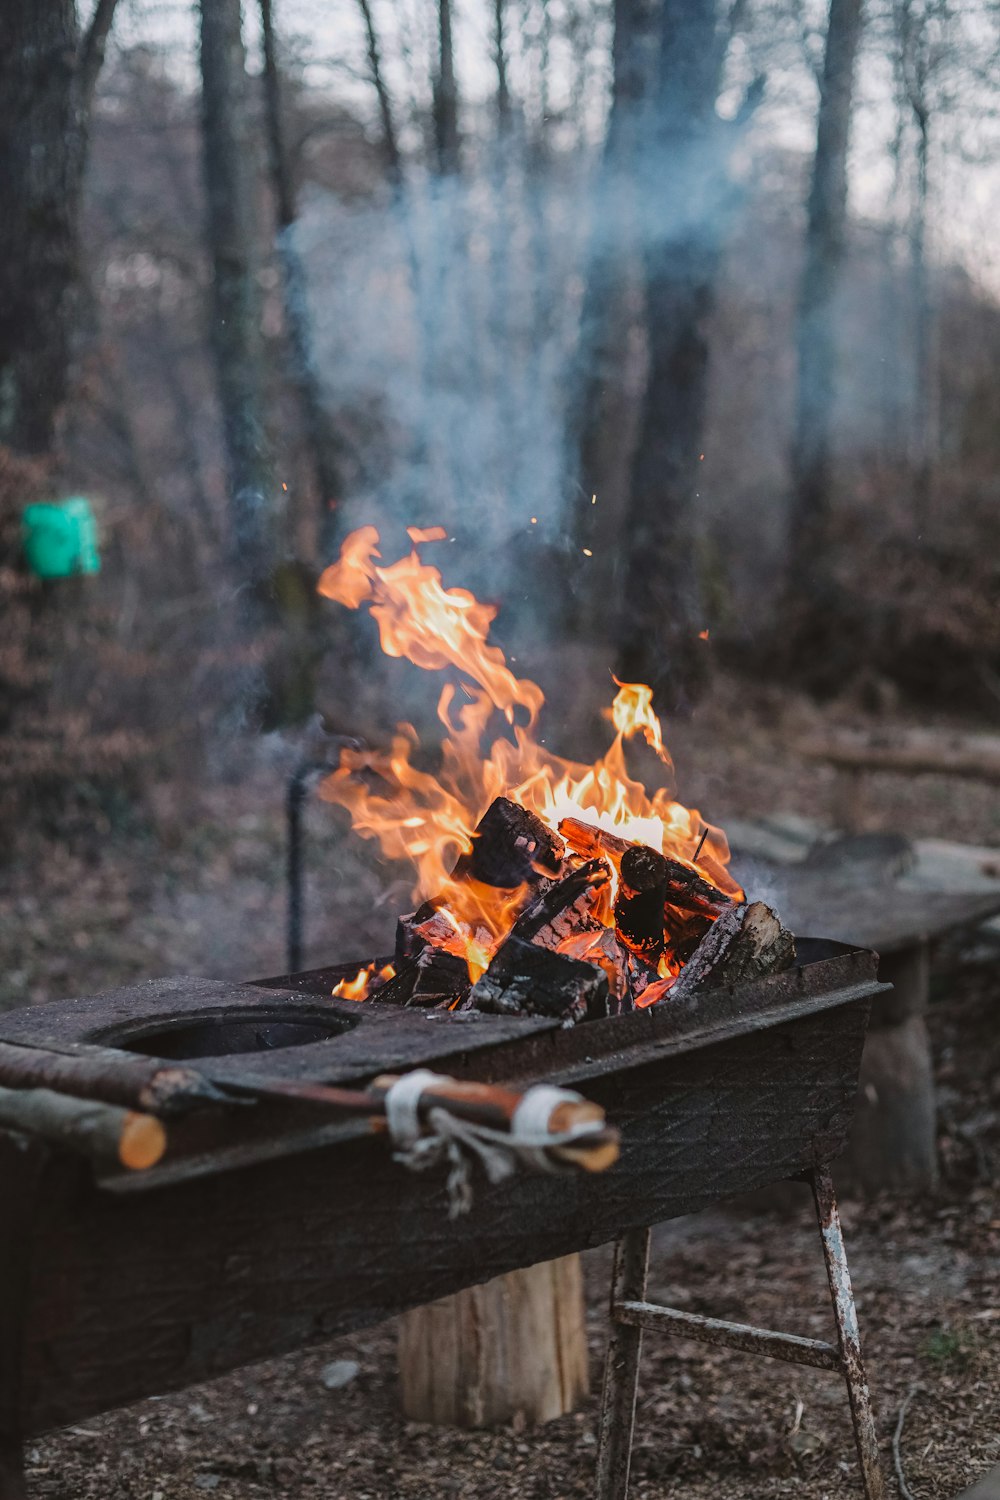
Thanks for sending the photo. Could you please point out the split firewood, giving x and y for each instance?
(560, 899)
(746, 942)
(684, 930)
(524, 979)
(417, 929)
(433, 977)
(685, 887)
(104, 1133)
(103, 1073)
(639, 904)
(511, 847)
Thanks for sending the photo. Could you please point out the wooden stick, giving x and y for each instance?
(479, 1103)
(150, 1085)
(102, 1132)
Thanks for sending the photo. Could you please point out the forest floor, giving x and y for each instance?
(198, 887)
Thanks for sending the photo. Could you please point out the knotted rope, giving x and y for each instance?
(437, 1136)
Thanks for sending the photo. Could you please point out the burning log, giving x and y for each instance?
(525, 979)
(684, 930)
(417, 929)
(434, 976)
(511, 847)
(745, 943)
(104, 1133)
(539, 922)
(685, 887)
(639, 904)
(107, 1075)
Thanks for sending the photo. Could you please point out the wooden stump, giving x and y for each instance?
(894, 1136)
(511, 1351)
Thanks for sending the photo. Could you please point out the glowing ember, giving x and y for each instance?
(430, 820)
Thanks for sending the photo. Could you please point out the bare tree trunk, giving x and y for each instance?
(48, 72)
(923, 415)
(602, 421)
(446, 139)
(325, 448)
(229, 178)
(500, 58)
(689, 201)
(816, 342)
(390, 136)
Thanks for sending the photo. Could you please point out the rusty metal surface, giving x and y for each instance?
(741, 1336)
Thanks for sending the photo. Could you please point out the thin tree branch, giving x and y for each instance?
(92, 48)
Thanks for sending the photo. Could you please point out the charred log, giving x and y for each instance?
(642, 895)
(587, 840)
(433, 977)
(745, 943)
(541, 917)
(684, 930)
(524, 979)
(511, 847)
(685, 887)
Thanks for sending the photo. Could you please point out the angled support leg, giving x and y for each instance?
(848, 1339)
(621, 1369)
(631, 1313)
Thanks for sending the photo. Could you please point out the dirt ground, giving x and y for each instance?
(201, 890)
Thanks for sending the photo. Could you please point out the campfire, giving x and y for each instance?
(543, 886)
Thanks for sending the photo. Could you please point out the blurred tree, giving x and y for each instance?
(816, 332)
(602, 416)
(325, 448)
(686, 205)
(49, 66)
(390, 135)
(445, 110)
(229, 158)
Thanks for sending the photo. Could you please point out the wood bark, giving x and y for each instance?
(108, 1075)
(513, 1350)
(815, 334)
(228, 162)
(101, 1132)
(48, 73)
(324, 445)
(745, 943)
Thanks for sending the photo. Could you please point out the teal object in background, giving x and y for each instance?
(60, 538)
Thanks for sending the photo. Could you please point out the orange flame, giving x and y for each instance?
(364, 981)
(430, 820)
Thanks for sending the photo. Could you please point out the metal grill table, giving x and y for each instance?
(266, 1229)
